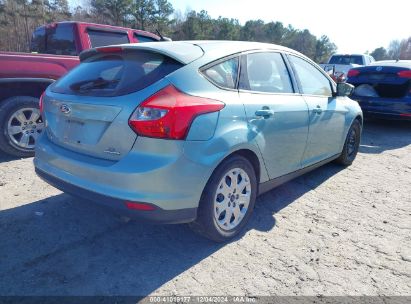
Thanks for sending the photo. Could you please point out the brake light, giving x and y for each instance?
(109, 49)
(41, 103)
(353, 73)
(139, 206)
(169, 113)
(404, 74)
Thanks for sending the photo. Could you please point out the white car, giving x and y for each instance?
(339, 64)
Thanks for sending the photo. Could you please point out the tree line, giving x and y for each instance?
(397, 49)
(18, 19)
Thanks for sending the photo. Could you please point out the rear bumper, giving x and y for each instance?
(387, 108)
(157, 215)
(153, 172)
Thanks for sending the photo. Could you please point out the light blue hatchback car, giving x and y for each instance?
(192, 131)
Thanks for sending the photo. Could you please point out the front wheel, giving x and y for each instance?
(351, 145)
(20, 125)
(227, 201)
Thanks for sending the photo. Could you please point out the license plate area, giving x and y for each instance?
(79, 132)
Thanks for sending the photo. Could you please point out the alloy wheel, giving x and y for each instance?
(23, 128)
(232, 199)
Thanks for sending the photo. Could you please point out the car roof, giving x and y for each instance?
(188, 51)
(394, 63)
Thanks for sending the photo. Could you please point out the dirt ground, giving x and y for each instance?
(333, 231)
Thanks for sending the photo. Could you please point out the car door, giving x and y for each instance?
(277, 115)
(327, 114)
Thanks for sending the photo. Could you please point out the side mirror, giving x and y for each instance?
(344, 89)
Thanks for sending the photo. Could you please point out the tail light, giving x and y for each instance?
(169, 113)
(353, 73)
(41, 103)
(404, 74)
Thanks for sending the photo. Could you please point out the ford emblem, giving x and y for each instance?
(65, 109)
(379, 69)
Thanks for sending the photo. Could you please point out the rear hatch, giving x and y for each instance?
(87, 110)
(381, 81)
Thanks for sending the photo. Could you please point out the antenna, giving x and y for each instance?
(158, 33)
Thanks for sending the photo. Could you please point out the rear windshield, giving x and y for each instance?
(116, 74)
(346, 59)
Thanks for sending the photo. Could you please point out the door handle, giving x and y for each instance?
(318, 110)
(264, 112)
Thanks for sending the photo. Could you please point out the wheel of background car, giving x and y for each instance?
(21, 124)
(227, 201)
(351, 145)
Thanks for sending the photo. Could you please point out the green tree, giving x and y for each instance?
(253, 30)
(274, 32)
(163, 10)
(143, 12)
(324, 48)
(379, 54)
(226, 29)
(111, 11)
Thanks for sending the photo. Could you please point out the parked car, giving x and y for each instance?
(179, 132)
(383, 89)
(24, 76)
(339, 64)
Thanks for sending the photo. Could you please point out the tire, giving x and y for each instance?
(223, 210)
(20, 125)
(351, 144)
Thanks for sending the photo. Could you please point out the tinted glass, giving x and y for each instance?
(38, 41)
(224, 74)
(346, 59)
(115, 74)
(142, 38)
(313, 82)
(60, 40)
(101, 38)
(266, 72)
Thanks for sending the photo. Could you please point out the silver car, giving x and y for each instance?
(180, 132)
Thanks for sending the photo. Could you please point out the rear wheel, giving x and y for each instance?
(20, 125)
(227, 201)
(351, 145)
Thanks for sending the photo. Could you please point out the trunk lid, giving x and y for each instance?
(380, 81)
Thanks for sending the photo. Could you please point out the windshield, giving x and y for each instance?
(116, 74)
(346, 59)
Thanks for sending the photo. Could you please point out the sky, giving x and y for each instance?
(355, 26)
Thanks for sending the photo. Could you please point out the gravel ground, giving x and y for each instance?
(333, 231)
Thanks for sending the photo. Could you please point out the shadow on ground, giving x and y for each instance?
(66, 246)
(6, 158)
(382, 135)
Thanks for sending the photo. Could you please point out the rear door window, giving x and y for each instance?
(223, 74)
(116, 74)
(266, 72)
(103, 38)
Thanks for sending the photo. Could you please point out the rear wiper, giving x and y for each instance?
(92, 84)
